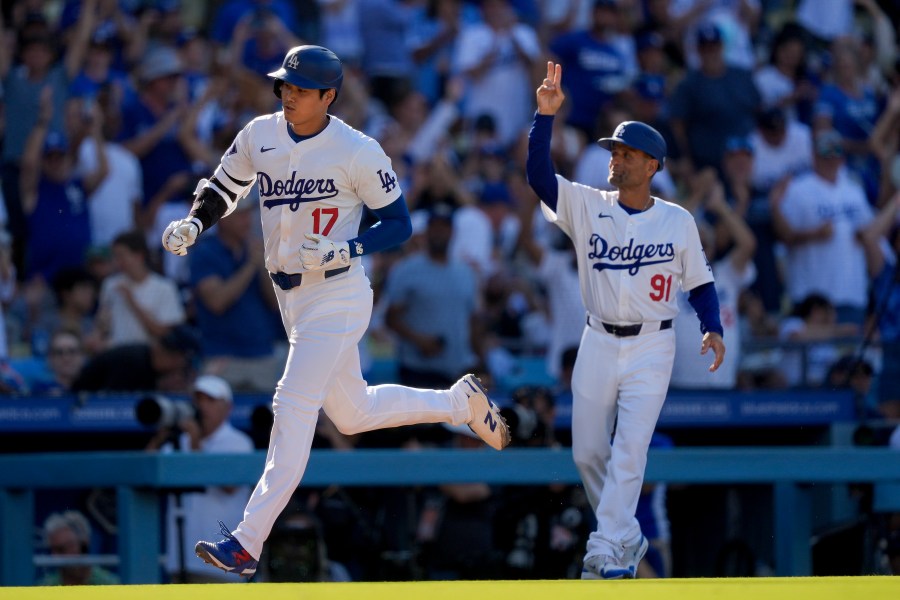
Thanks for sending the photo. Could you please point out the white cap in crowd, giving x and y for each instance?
(213, 386)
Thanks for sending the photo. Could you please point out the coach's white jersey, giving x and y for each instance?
(317, 185)
(629, 266)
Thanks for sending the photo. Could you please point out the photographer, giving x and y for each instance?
(205, 429)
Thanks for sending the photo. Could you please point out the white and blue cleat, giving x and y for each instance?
(486, 421)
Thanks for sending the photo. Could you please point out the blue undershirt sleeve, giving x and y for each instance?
(538, 166)
(706, 302)
(392, 229)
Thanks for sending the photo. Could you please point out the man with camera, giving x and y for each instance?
(204, 427)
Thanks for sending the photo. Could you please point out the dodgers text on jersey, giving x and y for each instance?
(631, 256)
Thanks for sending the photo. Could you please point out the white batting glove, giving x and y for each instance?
(321, 253)
(181, 234)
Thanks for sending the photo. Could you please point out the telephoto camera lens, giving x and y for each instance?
(159, 411)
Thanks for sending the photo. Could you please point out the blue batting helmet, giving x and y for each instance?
(640, 136)
(310, 68)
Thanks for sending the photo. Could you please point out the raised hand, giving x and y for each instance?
(549, 94)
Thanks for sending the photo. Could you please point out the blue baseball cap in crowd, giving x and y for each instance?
(771, 118)
(649, 39)
(495, 193)
(708, 33)
(55, 142)
(104, 36)
(650, 87)
(639, 136)
(738, 143)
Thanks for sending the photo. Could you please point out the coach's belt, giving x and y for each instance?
(288, 281)
(630, 330)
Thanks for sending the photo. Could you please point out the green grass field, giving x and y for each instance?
(786, 588)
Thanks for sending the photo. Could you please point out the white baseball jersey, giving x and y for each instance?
(318, 185)
(629, 266)
(809, 202)
(325, 181)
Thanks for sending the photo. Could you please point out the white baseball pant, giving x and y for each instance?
(325, 321)
(626, 379)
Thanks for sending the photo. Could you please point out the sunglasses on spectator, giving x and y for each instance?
(65, 351)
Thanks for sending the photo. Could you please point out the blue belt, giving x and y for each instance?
(288, 281)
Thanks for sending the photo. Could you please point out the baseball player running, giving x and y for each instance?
(315, 174)
(632, 251)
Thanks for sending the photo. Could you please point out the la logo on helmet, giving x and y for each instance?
(293, 61)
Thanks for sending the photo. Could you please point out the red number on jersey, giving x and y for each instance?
(332, 214)
(662, 287)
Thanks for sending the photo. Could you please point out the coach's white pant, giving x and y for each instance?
(324, 322)
(625, 379)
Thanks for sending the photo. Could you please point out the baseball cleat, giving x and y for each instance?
(604, 566)
(227, 554)
(486, 420)
(633, 555)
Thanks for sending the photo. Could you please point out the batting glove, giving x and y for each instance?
(181, 234)
(321, 253)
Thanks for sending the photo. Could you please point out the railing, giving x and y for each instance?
(139, 477)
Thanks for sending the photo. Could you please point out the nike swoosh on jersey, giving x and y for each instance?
(603, 216)
(264, 149)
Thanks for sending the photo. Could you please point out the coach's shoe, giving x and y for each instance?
(486, 421)
(633, 555)
(604, 566)
(227, 554)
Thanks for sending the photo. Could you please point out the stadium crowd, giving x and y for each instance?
(782, 120)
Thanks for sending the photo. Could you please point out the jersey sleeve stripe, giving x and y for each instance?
(228, 187)
(237, 181)
(222, 189)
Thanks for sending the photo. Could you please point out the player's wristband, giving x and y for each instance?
(706, 303)
(393, 228)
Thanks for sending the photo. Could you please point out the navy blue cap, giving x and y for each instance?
(168, 6)
(186, 35)
(55, 142)
(709, 33)
(738, 143)
(183, 339)
(495, 193)
(650, 87)
(649, 39)
(771, 118)
(104, 35)
(639, 136)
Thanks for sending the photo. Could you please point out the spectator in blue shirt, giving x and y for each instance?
(849, 106)
(54, 197)
(598, 69)
(232, 11)
(234, 304)
(150, 124)
(711, 104)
